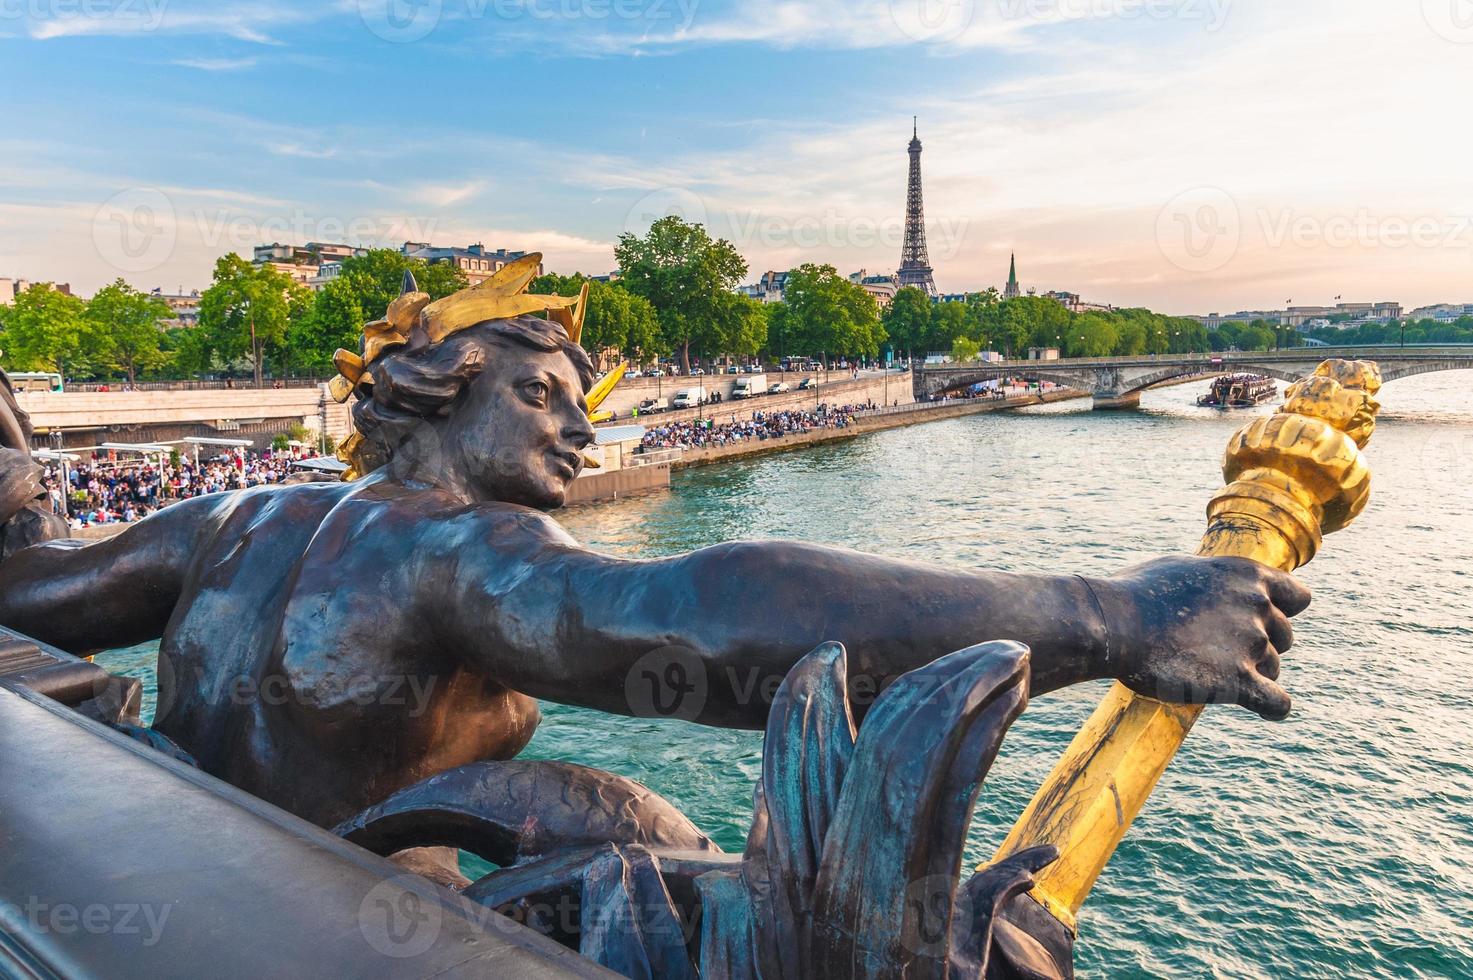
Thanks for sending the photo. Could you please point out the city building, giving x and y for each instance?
(476, 261)
(1441, 312)
(882, 288)
(1214, 320)
(11, 288)
(1011, 290)
(185, 306)
(768, 289)
(303, 263)
(1072, 303)
(1301, 317)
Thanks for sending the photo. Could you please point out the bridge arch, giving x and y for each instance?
(1013, 370)
(1215, 371)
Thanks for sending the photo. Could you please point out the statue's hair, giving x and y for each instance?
(416, 383)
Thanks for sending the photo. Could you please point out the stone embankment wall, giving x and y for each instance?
(89, 418)
(896, 389)
(913, 415)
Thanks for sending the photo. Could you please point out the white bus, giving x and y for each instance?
(36, 381)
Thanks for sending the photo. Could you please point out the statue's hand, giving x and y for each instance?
(1202, 630)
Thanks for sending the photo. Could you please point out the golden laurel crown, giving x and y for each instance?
(500, 297)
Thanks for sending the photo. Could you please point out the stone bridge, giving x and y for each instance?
(1117, 382)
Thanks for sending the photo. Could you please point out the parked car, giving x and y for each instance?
(749, 369)
(733, 369)
(696, 372)
(633, 374)
(807, 383)
(653, 405)
(656, 373)
(777, 388)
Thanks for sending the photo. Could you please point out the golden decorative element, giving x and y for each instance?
(604, 386)
(499, 297)
(340, 388)
(1292, 477)
(572, 317)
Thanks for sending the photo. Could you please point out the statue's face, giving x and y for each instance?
(518, 436)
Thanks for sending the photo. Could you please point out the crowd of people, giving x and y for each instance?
(699, 433)
(100, 490)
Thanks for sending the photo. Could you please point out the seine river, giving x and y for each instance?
(1339, 842)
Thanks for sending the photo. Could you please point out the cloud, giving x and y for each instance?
(447, 195)
(305, 152)
(216, 64)
(242, 21)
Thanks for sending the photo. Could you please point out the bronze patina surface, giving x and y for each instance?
(333, 648)
(25, 513)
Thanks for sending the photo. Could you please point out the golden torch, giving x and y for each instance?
(1291, 478)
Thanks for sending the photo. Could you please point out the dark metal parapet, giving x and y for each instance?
(118, 861)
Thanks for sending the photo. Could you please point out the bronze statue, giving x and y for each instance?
(26, 517)
(327, 646)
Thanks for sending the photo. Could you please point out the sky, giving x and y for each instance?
(1189, 156)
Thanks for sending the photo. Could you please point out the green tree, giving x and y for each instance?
(247, 310)
(126, 323)
(1016, 327)
(335, 320)
(46, 329)
(360, 293)
(378, 278)
(828, 314)
(907, 320)
(949, 321)
(1091, 335)
(685, 275)
(965, 349)
(742, 323)
(615, 319)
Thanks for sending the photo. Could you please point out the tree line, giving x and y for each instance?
(675, 298)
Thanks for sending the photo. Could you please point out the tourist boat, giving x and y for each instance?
(1239, 391)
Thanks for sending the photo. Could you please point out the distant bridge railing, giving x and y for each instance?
(1367, 352)
(93, 387)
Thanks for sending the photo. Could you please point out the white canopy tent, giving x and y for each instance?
(145, 449)
(197, 441)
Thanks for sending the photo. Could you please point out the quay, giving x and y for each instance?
(864, 423)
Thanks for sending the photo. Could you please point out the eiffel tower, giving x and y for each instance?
(915, 266)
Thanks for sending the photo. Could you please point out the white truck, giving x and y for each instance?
(689, 398)
(748, 385)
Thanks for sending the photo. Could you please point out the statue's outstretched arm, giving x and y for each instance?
(717, 630)
(112, 593)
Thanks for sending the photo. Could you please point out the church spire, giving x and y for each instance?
(1011, 291)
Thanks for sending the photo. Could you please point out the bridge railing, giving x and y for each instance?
(93, 387)
(1216, 357)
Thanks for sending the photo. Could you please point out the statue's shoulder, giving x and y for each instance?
(512, 524)
(424, 513)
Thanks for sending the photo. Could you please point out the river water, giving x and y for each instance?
(1339, 842)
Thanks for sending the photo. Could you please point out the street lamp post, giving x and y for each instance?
(57, 439)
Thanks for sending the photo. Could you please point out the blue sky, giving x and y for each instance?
(1188, 155)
